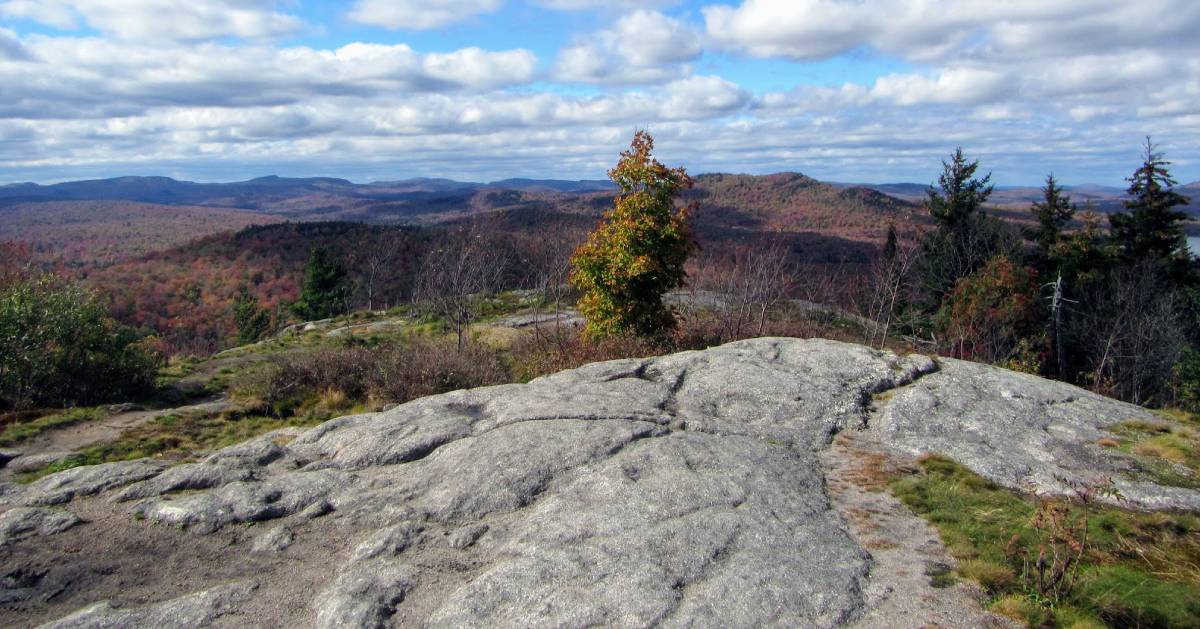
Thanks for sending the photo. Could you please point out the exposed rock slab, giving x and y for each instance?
(686, 490)
(88, 480)
(26, 521)
(1020, 431)
(195, 610)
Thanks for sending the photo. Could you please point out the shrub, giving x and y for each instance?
(992, 314)
(58, 347)
(337, 378)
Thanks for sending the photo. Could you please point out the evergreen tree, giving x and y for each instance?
(1150, 230)
(1053, 213)
(965, 238)
(891, 245)
(324, 292)
(251, 320)
(961, 194)
(637, 251)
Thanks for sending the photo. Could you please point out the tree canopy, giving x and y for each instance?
(637, 252)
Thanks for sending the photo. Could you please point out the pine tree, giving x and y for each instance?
(891, 245)
(965, 238)
(961, 193)
(1150, 230)
(252, 321)
(1053, 213)
(637, 252)
(324, 292)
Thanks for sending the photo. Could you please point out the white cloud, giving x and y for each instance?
(647, 38)
(581, 5)
(419, 14)
(959, 86)
(641, 47)
(11, 46)
(87, 77)
(160, 20)
(818, 29)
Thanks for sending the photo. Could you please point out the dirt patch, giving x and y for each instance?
(45, 578)
(910, 584)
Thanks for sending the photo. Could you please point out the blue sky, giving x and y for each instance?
(849, 90)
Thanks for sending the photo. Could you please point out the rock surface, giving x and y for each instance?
(686, 490)
(195, 610)
(26, 521)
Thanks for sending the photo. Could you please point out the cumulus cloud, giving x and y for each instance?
(817, 29)
(158, 20)
(641, 47)
(89, 77)
(960, 86)
(418, 14)
(11, 46)
(1028, 86)
(580, 5)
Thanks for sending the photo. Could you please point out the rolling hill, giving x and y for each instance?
(102, 232)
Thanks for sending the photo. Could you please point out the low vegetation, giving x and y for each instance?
(1061, 562)
(15, 429)
(59, 347)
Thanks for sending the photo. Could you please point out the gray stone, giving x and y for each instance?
(1021, 431)
(243, 501)
(87, 480)
(235, 463)
(684, 490)
(388, 542)
(28, 521)
(8, 455)
(273, 540)
(34, 462)
(466, 536)
(364, 595)
(194, 610)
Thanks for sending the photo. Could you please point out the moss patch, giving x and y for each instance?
(1138, 569)
(176, 436)
(1167, 452)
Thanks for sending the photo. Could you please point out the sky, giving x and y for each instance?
(870, 91)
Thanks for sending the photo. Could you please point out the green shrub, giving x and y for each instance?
(59, 347)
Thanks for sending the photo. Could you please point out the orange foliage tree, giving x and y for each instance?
(637, 252)
(992, 315)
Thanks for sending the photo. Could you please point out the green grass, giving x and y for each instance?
(1139, 569)
(18, 432)
(1167, 452)
(179, 436)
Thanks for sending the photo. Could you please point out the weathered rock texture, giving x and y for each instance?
(686, 490)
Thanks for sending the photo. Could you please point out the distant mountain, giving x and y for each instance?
(102, 231)
(164, 190)
(555, 185)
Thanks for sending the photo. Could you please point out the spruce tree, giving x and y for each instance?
(251, 320)
(1053, 213)
(1150, 230)
(965, 238)
(961, 194)
(324, 292)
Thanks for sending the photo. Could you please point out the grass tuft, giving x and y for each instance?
(1138, 569)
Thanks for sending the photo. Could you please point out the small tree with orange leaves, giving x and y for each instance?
(637, 252)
